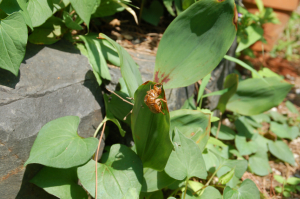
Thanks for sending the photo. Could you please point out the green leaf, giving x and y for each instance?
(70, 23)
(189, 104)
(119, 175)
(291, 107)
(208, 193)
(150, 130)
(84, 8)
(153, 13)
(62, 183)
(247, 190)
(259, 163)
(107, 8)
(129, 70)
(216, 142)
(154, 195)
(193, 123)
(278, 117)
(59, 4)
(186, 160)
(192, 45)
(168, 5)
(13, 40)
(226, 177)
(109, 52)
(280, 150)
(231, 82)
(225, 132)
(58, 144)
(261, 118)
(109, 116)
(279, 179)
(212, 117)
(155, 180)
(220, 92)
(281, 130)
(253, 100)
(96, 58)
(11, 6)
(204, 83)
(252, 34)
(48, 33)
(119, 108)
(187, 3)
(293, 181)
(39, 11)
(244, 147)
(265, 72)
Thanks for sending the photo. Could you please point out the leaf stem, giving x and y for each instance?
(96, 161)
(186, 184)
(219, 125)
(98, 128)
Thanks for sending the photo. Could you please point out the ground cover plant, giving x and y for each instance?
(187, 153)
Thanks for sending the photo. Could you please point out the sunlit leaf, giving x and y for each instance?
(84, 8)
(247, 190)
(39, 11)
(192, 47)
(280, 150)
(58, 144)
(155, 180)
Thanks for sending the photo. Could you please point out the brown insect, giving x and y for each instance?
(152, 100)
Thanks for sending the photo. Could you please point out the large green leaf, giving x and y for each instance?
(13, 40)
(259, 163)
(84, 8)
(39, 11)
(48, 33)
(186, 159)
(96, 57)
(58, 144)
(129, 70)
(62, 183)
(231, 82)
(11, 6)
(119, 175)
(255, 96)
(280, 150)
(247, 190)
(192, 46)
(150, 131)
(155, 180)
(193, 123)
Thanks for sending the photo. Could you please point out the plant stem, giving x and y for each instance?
(186, 184)
(219, 125)
(96, 161)
(98, 128)
(213, 175)
(141, 11)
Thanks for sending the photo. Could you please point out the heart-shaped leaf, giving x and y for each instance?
(280, 150)
(281, 130)
(193, 123)
(186, 160)
(150, 130)
(58, 144)
(247, 190)
(259, 163)
(119, 175)
(129, 70)
(266, 94)
(13, 40)
(192, 46)
(39, 11)
(62, 183)
(155, 180)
